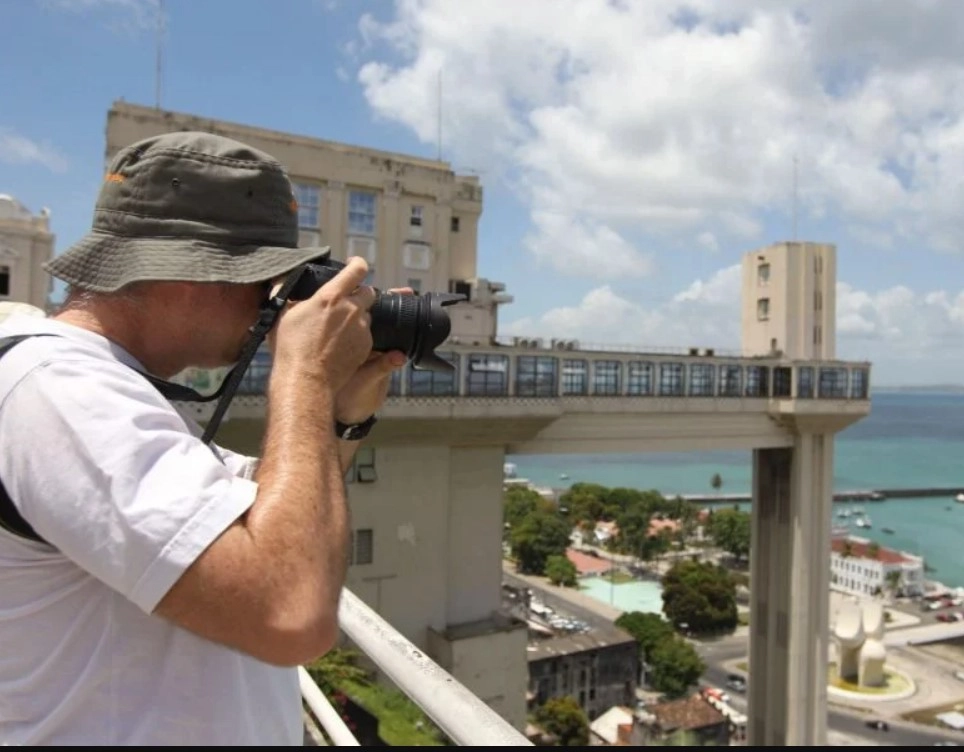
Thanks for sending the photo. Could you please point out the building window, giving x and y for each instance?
(858, 383)
(309, 205)
(639, 378)
(415, 220)
(763, 274)
(417, 256)
(416, 284)
(435, 383)
(454, 225)
(817, 334)
(255, 379)
(362, 545)
(361, 213)
(395, 385)
(575, 376)
(4, 281)
(833, 383)
(817, 264)
(782, 381)
(757, 378)
(488, 375)
(817, 300)
(536, 376)
(605, 379)
(805, 382)
(731, 380)
(671, 379)
(701, 380)
(362, 468)
(763, 309)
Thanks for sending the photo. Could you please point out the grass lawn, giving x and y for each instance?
(928, 716)
(400, 721)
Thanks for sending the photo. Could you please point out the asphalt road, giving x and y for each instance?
(852, 725)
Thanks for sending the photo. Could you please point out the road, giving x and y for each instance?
(852, 725)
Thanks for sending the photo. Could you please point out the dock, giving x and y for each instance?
(878, 494)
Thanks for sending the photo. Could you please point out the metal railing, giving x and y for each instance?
(459, 713)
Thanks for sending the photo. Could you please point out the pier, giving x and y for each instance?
(879, 494)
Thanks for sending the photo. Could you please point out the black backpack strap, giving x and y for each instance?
(10, 517)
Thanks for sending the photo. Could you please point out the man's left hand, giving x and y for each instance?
(365, 393)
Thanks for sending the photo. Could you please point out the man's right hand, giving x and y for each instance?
(328, 336)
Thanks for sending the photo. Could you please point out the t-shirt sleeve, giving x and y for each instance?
(107, 471)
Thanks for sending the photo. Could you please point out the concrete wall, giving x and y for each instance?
(801, 290)
(26, 243)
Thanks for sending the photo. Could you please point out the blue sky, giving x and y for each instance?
(630, 152)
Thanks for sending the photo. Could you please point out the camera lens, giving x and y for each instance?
(415, 325)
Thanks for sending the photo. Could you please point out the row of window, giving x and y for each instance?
(362, 211)
(548, 376)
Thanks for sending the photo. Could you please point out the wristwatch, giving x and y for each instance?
(354, 431)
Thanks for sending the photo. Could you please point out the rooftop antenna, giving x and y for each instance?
(439, 108)
(794, 198)
(159, 54)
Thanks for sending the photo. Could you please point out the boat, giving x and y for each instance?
(959, 498)
(863, 522)
(889, 530)
(844, 513)
(563, 476)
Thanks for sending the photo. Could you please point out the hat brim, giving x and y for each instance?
(102, 262)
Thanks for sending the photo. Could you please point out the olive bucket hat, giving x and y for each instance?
(188, 206)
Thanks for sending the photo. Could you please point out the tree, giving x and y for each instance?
(674, 666)
(585, 501)
(716, 482)
(538, 536)
(848, 549)
(561, 571)
(647, 629)
(730, 530)
(564, 719)
(873, 549)
(894, 579)
(337, 667)
(518, 502)
(700, 595)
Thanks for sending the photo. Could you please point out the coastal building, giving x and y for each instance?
(597, 665)
(26, 243)
(689, 721)
(426, 487)
(862, 567)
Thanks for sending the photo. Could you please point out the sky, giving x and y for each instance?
(630, 151)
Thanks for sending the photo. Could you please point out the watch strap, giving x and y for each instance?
(354, 431)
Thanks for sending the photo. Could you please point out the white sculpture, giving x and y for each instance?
(859, 634)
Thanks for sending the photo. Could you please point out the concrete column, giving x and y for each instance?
(474, 563)
(790, 591)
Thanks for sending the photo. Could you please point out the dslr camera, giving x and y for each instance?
(413, 324)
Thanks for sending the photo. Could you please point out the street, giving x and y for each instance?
(717, 654)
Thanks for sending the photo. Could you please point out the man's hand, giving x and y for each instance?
(367, 389)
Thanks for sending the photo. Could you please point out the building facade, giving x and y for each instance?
(861, 567)
(26, 244)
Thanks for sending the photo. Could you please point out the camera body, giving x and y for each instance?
(413, 324)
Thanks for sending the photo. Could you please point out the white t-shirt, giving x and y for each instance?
(105, 469)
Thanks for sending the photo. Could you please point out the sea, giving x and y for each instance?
(909, 440)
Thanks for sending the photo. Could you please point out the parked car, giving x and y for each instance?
(878, 725)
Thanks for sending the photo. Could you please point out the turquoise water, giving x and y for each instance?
(629, 596)
(908, 441)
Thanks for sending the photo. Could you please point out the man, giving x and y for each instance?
(177, 585)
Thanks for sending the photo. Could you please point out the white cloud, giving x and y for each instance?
(634, 121)
(18, 149)
(896, 328)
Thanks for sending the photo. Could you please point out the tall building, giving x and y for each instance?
(26, 243)
(426, 486)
